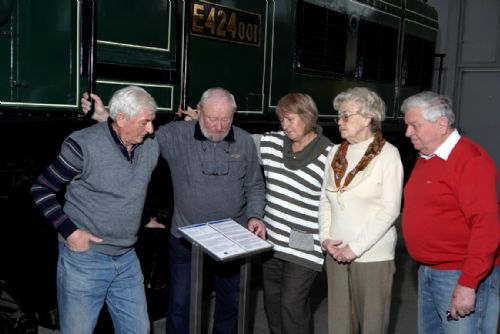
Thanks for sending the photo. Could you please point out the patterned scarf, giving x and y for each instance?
(339, 162)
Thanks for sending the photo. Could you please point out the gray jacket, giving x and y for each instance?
(211, 181)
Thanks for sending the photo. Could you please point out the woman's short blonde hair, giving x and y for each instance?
(369, 103)
(299, 104)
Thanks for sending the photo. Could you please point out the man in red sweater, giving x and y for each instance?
(451, 222)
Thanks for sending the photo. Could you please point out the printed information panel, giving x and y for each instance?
(224, 239)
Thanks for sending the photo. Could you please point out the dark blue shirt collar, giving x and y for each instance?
(119, 143)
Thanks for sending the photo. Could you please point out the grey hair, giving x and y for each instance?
(129, 101)
(370, 104)
(433, 105)
(217, 92)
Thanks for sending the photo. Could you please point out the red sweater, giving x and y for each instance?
(450, 214)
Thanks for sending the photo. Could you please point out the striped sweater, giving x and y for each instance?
(104, 188)
(293, 188)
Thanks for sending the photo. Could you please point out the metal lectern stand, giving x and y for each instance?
(224, 240)
(196, 293)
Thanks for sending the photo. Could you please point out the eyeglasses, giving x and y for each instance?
(343, 117)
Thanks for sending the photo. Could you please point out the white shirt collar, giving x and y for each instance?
(444, 150)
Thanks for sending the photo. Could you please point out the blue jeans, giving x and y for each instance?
(226, 278)
(435, 288)
(85, 280)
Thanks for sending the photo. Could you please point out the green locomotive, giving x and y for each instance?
(259, 50)
(52, 51)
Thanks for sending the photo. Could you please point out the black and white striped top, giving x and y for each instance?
(292, 194)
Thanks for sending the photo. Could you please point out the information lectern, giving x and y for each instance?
(223, 240)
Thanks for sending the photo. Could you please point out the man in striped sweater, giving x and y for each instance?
(105, 170)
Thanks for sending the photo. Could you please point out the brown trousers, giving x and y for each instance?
(359, 296)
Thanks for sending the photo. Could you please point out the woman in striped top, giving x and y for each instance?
(294, 162)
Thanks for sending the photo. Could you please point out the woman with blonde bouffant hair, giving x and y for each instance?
(360, 201)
